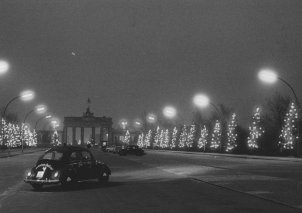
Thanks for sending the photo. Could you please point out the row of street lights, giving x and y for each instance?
(202, 101)
(26, 95)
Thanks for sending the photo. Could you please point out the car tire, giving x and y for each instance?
(37, 186)
(103, 177)
(67, 182)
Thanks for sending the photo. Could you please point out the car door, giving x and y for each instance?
(88, 165)
(77, 164)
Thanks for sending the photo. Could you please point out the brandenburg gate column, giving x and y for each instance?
(64, 135)
(110, 141)
(82, 135)
(93, 134)
(73, 136)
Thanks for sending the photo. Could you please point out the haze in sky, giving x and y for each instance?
(130, 56)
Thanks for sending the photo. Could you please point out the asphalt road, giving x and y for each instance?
(162, 182)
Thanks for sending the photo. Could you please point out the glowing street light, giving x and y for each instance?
(270, 76)
(123, 123)
(151, 118)
(4, 66)
(40, 109)
(44, 117)
(201, 100)
(169, 112)
(26, 95)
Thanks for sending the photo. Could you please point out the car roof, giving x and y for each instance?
(67, 149)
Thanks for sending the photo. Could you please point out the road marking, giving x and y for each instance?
(10, 192)
(259, 192)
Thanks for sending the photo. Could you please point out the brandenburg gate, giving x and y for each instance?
(87, 129)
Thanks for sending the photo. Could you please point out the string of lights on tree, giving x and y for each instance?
(174, 138)
(231, 133)
(147, 141)
(55, 139)
(202, 141)
(183, 137)
(191, 136)
(289, 137)
(255, 130)
(127, 137)
(216, 136)
(140, 140)
(12, 135)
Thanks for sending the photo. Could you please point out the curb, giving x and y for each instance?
(233, 155)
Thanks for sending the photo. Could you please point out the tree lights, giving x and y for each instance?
(288, 137)
(255, 131)
(232, 135)
(191, 136)
(216, 136)
(202, 141)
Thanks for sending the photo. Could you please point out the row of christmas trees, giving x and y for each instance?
(13, 135)
(223, 137)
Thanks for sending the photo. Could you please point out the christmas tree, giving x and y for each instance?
(127, 138)
(183, 137)
(191, 136)
(216, 136)
(202, 141)
(148, 138)
(255, 131)
(140, 141)
(156, 137)
(232, 135)
(161, 138)
(55, 139)
(166, 139)
(289, 133)
(174, 138)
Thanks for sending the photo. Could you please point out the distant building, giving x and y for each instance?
(87, 129)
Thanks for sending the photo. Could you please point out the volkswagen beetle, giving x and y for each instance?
(66, 165)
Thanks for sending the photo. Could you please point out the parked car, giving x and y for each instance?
(132, 150)
(66, 165)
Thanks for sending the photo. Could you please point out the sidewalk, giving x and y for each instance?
(293, 159)
(15, 152)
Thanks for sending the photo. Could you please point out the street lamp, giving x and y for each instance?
(202, 101)
(46, 117)
(4, 66)
(40, 109)
(169, 111)
(151, 118)
(270, 76)
(26, 95)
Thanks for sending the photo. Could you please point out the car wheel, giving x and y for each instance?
(37, 186)
(67, 182)
(103, 177)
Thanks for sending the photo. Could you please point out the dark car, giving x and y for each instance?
(132, 150)
(66, 165)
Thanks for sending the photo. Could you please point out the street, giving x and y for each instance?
(162, 181)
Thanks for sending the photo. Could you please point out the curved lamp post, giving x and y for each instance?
(270, 76)
(40, 109)
(46, 117)
(26, 95)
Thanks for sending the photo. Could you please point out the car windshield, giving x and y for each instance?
(52, 155)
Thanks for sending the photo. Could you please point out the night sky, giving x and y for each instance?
(134, 56)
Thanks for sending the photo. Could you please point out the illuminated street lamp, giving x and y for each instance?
(169, 112)
(123, 123)
(202, 101)
(26, 95)
(4, 67)
(40, 109)
(270, 76)
(151, 118)
(44, 117)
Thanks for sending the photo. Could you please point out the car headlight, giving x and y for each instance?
(29, 174)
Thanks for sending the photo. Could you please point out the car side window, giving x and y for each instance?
(86, 156)
(75, 156)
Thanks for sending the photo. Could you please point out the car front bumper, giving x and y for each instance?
(41, 181)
